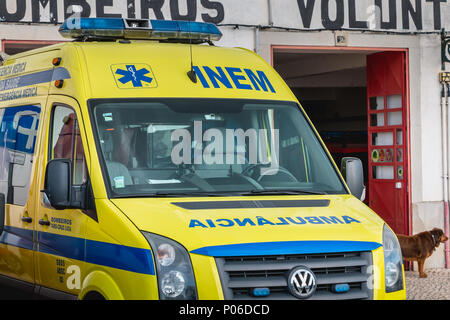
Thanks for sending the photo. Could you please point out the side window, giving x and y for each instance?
(66, 142)
(18, 131)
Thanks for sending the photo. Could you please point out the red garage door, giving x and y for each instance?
(386, 105)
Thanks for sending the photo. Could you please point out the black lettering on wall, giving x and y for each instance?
(408, 11)
(336, 23)
(131, 8)
(191, 14)
(155, 5)
(15, 16)
(392, 23)
(306, 11)
(353, 23)
(82, 3)
(215, 6)
(36, 6)
(437, 12)
(100, 9)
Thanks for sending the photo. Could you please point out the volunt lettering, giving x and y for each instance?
(335, 14)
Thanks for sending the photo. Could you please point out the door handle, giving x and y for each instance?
(27, 219)
(43, 222)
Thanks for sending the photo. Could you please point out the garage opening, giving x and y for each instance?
(357, 101)
(11, 47)
(332, 89)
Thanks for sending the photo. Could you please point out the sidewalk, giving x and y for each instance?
(435, 287)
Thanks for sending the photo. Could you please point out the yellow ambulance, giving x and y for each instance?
(140, 161)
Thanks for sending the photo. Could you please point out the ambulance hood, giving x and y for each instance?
(288, 225)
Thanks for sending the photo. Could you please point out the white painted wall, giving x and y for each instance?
(10, 31)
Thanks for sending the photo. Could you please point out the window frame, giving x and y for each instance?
(90, 211)
(92, 103)
(50, 140)
(10, 195)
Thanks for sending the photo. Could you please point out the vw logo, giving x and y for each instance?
(302, 282)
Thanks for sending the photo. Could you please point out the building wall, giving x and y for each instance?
(425, 114)
(261, 24)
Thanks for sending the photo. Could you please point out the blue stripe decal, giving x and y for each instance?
(120, 257)
(60, 74)
(285, 247)
(96, 252)
(17, 237)
(34, 78)
(58, 245)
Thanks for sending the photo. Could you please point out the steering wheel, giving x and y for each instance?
(253, 172)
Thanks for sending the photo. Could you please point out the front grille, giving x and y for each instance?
(240, 275)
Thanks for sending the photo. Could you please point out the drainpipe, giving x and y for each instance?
(446, 187)
(256, 39)
(445, 122)
(269, 6)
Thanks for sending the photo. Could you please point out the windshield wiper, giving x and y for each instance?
(255, 192)
(162, 194)
(258, 192)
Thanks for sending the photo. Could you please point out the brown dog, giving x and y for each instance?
(420, 246)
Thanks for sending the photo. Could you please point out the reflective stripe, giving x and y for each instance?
(18, 237)
(120, 257)
(96, 252)
(59, 245)
(34, 78)
(285, 247)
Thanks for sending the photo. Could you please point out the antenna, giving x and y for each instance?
(191, 73)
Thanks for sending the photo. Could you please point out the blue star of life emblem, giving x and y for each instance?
(133, 76)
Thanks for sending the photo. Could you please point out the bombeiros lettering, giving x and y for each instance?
(311, 14)
(56, 11)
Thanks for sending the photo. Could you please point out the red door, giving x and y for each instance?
(386, 99)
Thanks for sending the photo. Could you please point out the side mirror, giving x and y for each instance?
(352, 170)
(58, 183)
(2, 212)
(59, 193)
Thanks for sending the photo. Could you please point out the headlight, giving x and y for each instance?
(165, 254)
(393, 261)
(173, 269)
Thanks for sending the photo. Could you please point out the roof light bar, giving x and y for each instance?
(117, 28)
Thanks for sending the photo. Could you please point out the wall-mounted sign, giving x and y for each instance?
(445, 51)
(394, 15)
(56, 11)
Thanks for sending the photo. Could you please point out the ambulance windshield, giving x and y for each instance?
(211, 147)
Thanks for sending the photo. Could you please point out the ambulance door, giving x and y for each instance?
(18, 131)
(61, 233)
(387, 132)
